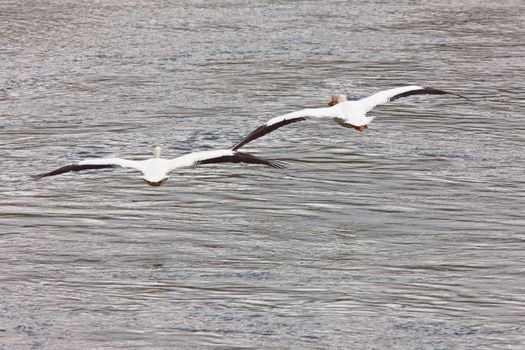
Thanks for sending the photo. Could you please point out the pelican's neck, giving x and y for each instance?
(156, 152)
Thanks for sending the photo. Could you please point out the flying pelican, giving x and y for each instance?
(155, 170)
(350, 114)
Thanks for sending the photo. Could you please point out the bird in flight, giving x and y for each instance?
(350, 114)
(155, 170)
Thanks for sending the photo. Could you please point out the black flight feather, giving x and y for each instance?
(74, 167)
(239, 157)
(265, 129)
(424, 91)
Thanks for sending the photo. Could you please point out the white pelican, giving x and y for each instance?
(350, 114)
(155, 170)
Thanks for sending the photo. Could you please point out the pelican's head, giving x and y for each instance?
(156, 152)
(337, 99)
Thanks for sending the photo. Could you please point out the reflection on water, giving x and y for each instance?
(406, 236)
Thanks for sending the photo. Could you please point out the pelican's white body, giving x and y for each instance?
(351, 113)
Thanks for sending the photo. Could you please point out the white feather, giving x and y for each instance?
(384, 96)
(192, 159)
(154, 170)
(324, 112)
(346, 113)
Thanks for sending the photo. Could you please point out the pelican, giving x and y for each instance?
(155, 170)
(350, 114)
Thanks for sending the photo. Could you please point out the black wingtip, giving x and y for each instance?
(458, 95)
(443, 92)
(250, 158)
(237, 146)
(265, 129)
(425, 91)
(255, 134)
(74, 167)
(35, 177)
(277, 164)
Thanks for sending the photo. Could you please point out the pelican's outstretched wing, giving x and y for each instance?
(219, 156)
(390, 95)
(102, 163)
(277, 122)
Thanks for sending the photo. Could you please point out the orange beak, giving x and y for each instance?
(333, 101)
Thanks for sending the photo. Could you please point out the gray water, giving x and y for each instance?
(407, 236)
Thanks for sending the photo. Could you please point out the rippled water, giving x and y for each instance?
(407, 236)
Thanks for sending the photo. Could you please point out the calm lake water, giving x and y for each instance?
(410, 235)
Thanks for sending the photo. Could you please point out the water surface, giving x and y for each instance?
(407, 236)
